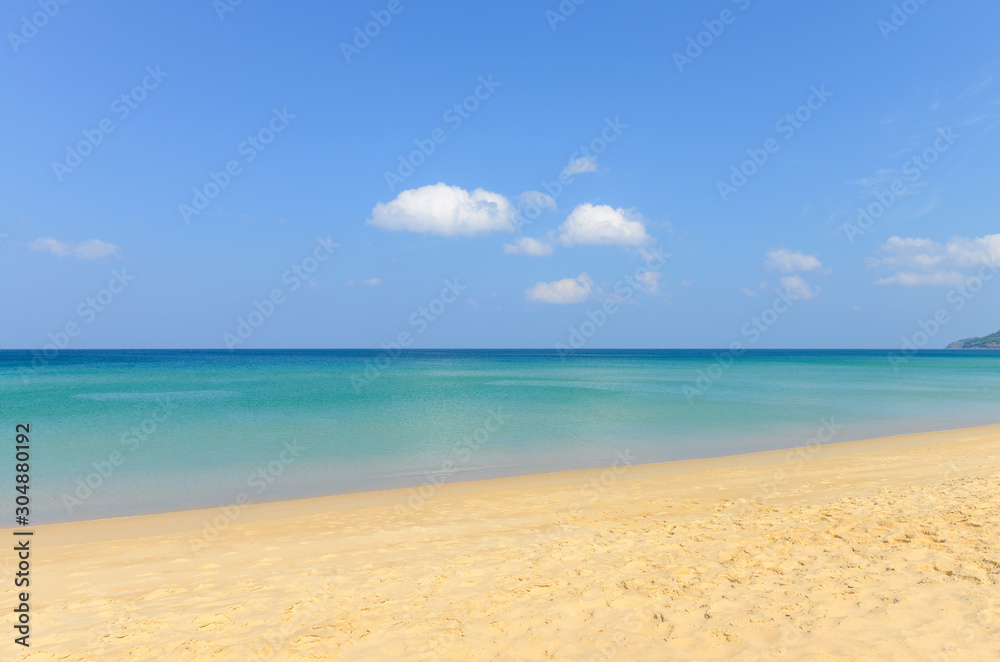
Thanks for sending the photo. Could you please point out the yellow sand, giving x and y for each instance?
(877, 550)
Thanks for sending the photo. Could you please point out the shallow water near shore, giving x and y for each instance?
(117, 433)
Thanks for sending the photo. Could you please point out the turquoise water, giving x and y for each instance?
(154, 431)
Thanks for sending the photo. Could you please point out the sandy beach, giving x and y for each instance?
(886, 549)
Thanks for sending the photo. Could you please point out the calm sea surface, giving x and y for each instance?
(118, 433)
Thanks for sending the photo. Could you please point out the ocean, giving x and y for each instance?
(119, 433)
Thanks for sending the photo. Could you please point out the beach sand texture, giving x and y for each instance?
(886, 549)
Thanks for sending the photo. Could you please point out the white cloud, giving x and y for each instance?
(920, 261)
(92, 249)
(50, 245)
(649, 282)
(580, 165)
(911, 279)
(567, 290)
(750, 293)
(536, 200)
(798, 288)
(602, 225)
(783, 259)
(650, 256)
(445, 210)
(528, 246)
(687, 283)
(956, 253)
(372, 282)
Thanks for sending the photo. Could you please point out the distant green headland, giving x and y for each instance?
(991, 341)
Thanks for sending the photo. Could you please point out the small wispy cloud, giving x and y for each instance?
(92, 249)
(649, 282)
(957, 252)
(528, 246)
(797, 288)
(912, 279)
(580, 165)
(783, 259)
(371, 282)
(920, 261)
(536, 200)
(565, 291)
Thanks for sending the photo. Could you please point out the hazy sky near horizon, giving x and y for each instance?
(499, 174)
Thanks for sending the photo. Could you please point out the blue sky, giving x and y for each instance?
(651, 241)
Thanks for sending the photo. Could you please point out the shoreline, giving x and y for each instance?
(876, 549)
(754, 458)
